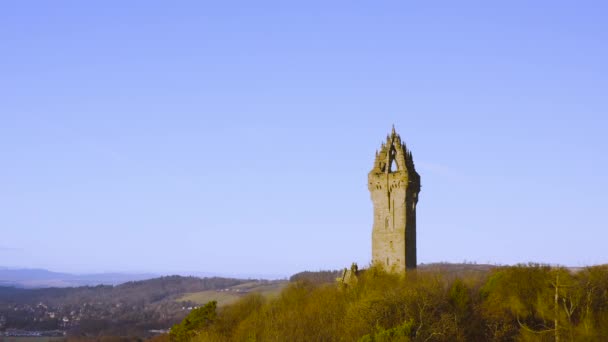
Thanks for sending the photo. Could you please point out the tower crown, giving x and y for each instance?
(393, 156)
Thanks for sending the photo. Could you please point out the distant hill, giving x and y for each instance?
(131, 308)
(457, 269)
(317, 277)
(447, 269)
(39, 278)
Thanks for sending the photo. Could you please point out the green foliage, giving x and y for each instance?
(520, 303)
(197, 320)
(400, 333)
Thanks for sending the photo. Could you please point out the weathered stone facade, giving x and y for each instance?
(394, 185)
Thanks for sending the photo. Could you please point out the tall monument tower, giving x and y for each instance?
(394, 185)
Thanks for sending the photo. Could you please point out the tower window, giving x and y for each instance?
(393, 166)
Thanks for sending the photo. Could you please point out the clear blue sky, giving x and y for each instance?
(236, 137)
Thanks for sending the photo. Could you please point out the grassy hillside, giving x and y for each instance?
(231, 294)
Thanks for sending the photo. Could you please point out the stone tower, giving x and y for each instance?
(394, 185)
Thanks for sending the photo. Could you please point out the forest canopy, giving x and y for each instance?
(530, 302)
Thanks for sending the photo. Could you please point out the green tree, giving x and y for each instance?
(196, 320)
(400, 333)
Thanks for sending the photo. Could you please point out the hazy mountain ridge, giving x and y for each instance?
(40, 278)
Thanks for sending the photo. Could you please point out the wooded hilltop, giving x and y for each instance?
(531, 302)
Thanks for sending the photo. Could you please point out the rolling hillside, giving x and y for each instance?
(229, 295)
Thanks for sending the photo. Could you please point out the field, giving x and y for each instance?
(231, 294)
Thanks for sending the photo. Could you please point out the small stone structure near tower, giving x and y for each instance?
(394, 185)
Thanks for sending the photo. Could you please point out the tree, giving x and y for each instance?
(197, 319)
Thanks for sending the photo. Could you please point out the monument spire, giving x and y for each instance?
(394, 193)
